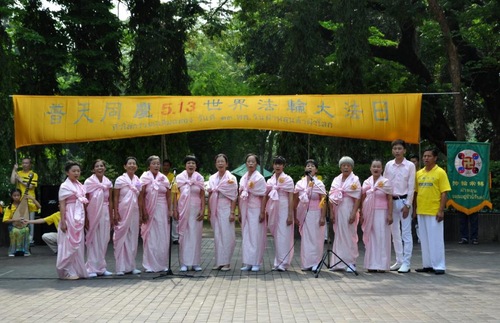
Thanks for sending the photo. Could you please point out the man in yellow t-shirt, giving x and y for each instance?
(50, 238)
(21, 179)
(431, 188)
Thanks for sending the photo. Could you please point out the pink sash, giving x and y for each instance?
(284, 184)
(75, 222)
(250, 188)
(98, 199)
(129, 191)
(184, 183)
(154, 187)
(305, 190)
(369, 188)
(350, 187)
(226, 186)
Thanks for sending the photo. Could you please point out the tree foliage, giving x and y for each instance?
(189, 47)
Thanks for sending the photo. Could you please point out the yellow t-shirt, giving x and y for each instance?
(170, 177)
(9, 212)
(53, 219)
(429, 185)
(34, 182)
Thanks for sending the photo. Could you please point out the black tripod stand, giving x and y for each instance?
(325, 260)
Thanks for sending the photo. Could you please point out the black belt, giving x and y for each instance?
(400, 197)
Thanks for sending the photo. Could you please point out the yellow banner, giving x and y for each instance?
(63, 119)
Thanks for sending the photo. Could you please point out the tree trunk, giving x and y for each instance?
(454, 68)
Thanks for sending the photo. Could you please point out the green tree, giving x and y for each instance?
(8, 87)
(95, 52)
(41, 49)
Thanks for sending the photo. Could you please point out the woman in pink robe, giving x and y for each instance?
(252, 215)
(155, 229)
(189, 210)
(376, 219)
(99, 211)
(71, 236)
(345, 193)
(310, 205)
(223, 192)
(126, 218)
(279, 211)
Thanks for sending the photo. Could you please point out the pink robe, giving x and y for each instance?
(126, 233)
(376, 230)
(277, 207)
(253, 232)
(71, 244)
(222, 192)
(344, 194)
(189, 207)
(98, 234)
(309, 216)
(156, 231)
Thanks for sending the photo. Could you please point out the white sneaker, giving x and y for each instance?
(246, 268)
(107, 273)
(196, 268)
(395, 267)
(92, 275)
(183, 268)
(255, 268)
(280, 268)
(351, 268)
(315, 268)
(136, 272)
(404, 269)
(149, 271)
(120, 273)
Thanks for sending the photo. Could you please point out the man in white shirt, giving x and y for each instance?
(401, 173)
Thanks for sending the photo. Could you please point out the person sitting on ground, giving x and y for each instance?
(50, 238)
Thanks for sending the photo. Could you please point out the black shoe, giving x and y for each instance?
(463, 241)
(425, 270)
(439, 272)
(307, 269)
(176, 242)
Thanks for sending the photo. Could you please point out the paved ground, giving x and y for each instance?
(30, 291)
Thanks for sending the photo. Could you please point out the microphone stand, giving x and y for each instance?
(325, 260)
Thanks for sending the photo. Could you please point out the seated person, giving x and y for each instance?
(19, 232)
(50, 238)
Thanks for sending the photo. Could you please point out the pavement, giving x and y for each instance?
(468, 292)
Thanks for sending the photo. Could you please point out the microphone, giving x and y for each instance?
(308, 174)
(175, 171)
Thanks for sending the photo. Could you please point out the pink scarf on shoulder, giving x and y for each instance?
(256, 186)
(227, 186)
(75, 222)
(184, 183)
(369, 188)
(305, 189)
(350, 187)
(275, 185)
(97, 193)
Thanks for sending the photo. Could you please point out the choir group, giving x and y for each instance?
(144, 206)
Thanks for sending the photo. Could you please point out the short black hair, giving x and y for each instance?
(191, 158)
(279, 160)
(311, 161)
(399, 142)
(433, 150)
